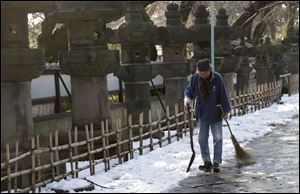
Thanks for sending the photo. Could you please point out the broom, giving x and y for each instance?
(242, 156)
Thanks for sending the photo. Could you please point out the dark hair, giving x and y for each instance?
(203, 65)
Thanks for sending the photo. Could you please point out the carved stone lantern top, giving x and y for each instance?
(135, 29)
(201, 27)
(222, 18)
(201, 15)
(173, 15)
(175, 32)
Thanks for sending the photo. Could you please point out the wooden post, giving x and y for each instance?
(16, 167)
(246, 100)
(239, 103)
(289, 85)
(33, 165)
(168, 125)
(159, 127)
(230, 102)
(255, 97)
(51, 155)
(103, 145)
(119, 139)
(150, 130)
(234, 105)
(76, 150)
(92, 144)
(56, 151)
(264, 95)
(71, 152)
(272, 91)
(130, 144)
(176, 120)
(249, 101)
(269, 93)
(242, 102)
(38, 160)
(184, 118)
(141, 118)
(259, 96)
(89, 149)
(107, 143)
(8, 169)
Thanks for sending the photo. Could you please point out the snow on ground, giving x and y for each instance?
(163, 168)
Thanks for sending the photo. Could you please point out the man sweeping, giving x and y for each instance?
(209, 89)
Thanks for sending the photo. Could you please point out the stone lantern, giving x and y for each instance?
(225, 62)
(243, 73)
(88, 59)
(262, 64)
(136, 36)
(19, 65)
(292, 54)
(175, 67)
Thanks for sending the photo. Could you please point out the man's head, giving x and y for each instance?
(204, 68)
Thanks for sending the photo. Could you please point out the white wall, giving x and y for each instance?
(44, 86)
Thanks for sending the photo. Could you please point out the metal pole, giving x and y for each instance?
(156, 92)
(57, 93)
(212, 34)
(64, 84)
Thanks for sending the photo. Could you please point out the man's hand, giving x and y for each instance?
(225, 115)
(187, 101)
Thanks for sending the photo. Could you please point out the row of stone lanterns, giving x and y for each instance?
(88, 59)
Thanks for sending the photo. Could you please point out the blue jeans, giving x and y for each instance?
(216, 128)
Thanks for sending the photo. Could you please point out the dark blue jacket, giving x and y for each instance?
(207, 111)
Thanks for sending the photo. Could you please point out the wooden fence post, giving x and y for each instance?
(259, 97)
(38, 159)
(184, 118)
(76, 149)
(176, 120)
(33, 164)
(107, 143)
(71, 152)
(119, 139)
(168, 124)
(130, 136)
(159, 126)
(92, 144)
(141, 118)
(8, 169)
(16, 167)
(150, 129)
(103, 145)
(56, 151)
(89, 149)
(51, 156)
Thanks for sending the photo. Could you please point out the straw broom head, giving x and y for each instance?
(241, 155)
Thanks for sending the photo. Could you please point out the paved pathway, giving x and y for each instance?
(276, 169)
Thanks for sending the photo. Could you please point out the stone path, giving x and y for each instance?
(276, 169)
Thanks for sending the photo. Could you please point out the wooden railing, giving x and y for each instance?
(174, 127)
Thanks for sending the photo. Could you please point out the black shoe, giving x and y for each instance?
(215, 167)
(206, 167)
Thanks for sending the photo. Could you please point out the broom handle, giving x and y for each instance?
(226, 121)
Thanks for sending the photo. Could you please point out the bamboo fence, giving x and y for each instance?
(247, 101)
